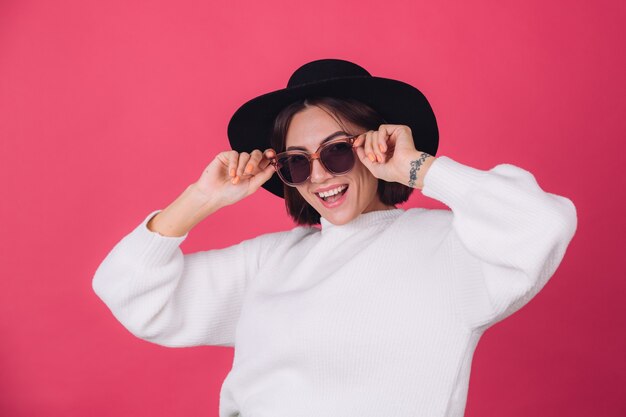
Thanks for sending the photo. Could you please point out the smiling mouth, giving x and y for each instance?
(337, 193)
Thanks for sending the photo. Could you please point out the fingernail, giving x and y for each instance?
(232, 172)
(248, 168)
(379, 158)
(381, 147)
(371, 157)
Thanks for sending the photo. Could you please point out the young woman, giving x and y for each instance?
(378, 311)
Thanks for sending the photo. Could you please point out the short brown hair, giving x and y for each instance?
(351, 110)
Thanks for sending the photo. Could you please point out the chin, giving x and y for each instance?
(337, 217)
(337, 220)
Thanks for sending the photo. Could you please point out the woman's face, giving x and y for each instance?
(308, 129)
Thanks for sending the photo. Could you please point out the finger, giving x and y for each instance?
(260, 178)
(387, 129)
(359, 140)
(253, 162)
(360, 151)
(390, 134)
(243, 160)
(267, 156)
(232, 163)
(368, 146)
(382, 142)
(376, 146)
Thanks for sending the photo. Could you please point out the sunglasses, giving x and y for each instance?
(336, 156)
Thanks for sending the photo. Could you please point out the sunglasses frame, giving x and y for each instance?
(311, 157)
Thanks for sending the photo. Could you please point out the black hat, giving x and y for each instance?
(397, 102)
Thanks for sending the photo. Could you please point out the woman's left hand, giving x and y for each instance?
(389, 153)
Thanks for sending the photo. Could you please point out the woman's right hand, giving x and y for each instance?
(215, 188)
(232, 175)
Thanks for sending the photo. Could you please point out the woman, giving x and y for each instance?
(378, 312)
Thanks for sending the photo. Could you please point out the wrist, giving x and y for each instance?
(414, 169)
(198, 202)
(184, 213)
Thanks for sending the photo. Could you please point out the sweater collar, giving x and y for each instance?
(362, 221)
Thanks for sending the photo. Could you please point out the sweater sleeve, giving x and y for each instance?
(176, 300)
(517, 232)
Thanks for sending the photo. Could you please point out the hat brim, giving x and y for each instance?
(397, 102)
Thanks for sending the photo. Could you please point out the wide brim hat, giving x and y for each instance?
(397, 102)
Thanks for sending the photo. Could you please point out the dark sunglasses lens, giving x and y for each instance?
(294, 168)
(338, 158)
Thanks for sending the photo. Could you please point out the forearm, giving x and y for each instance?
(183, 214)
(515, 233)
(165, 297)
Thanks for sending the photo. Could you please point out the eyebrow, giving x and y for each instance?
(332, 136)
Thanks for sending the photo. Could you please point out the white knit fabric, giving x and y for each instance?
(377, 317)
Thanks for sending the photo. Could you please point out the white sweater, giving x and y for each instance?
(377, 317)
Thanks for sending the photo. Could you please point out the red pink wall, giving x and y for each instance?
(109, 109)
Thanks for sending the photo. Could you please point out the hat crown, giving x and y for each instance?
(325, 69)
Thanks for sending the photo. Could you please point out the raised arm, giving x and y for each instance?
(172, 299)
(518, 232)
(507, 234)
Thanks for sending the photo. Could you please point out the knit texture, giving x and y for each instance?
(376, 317)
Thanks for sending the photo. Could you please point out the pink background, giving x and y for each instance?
(109, 109)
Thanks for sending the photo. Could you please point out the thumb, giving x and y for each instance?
(262, 176)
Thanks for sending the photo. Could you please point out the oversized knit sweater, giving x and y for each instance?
(376, 317)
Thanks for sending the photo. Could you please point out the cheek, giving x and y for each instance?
(365, 178)
(306, 196)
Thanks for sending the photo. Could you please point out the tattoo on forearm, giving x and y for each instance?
(415, 166)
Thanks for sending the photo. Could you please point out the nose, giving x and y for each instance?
(318, 173)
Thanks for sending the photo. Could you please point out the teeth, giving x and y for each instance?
(333, 191)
